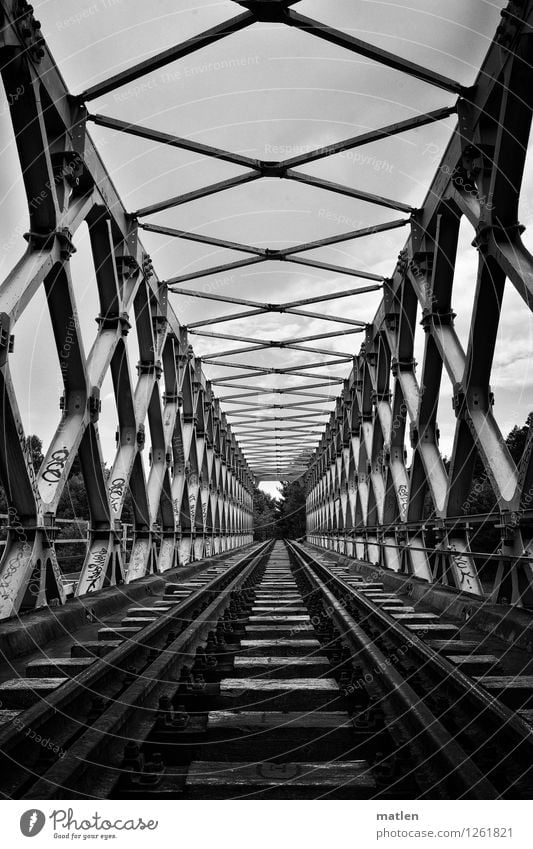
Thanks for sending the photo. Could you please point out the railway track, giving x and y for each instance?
(276, 675)
(505, 671)
(100, 683)
(485, 716)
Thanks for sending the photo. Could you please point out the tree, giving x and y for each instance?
(35, 447)
(291, 511)
(481, 498)
(35, 450)
(517, 438)
(264, 515)
(73, 503)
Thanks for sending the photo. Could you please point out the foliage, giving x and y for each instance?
(73, 503)
(283, 517)
(516, 440)
(35, 447)
(280, 518)
(481, 498)
(291, 511)
(264, 515)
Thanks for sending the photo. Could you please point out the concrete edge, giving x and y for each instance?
(513, 625)
(22, 635)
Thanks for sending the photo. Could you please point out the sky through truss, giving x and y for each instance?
(271, 93)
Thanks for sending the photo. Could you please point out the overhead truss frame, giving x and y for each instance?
(362, 498)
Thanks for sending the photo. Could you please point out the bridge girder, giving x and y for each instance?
(197, 498)
(362, 499)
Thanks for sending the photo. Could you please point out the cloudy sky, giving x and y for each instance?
(268, 92)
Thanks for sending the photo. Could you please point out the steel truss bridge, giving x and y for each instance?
(363, 499)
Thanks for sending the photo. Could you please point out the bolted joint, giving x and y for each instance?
(459, 401)
(403, 262)
(476, 399)
(439, 529)
(508, 524)
(68, 165)
(429, 433)
(476, 159)
(391, 305)
(268, 11)
(400, 534)
(44, 241)
(377, 396)
(29, 30)
(150, 368)
(398, 365)
(421, 264)
(127, 267)
(356, 423)
(170, 398)
(5, 338)
(433, 318)
(511, 23)
(482, 399)
(413, 434)
(111, 321)
(94, 404)
(462, 179)
(147, 267)
(66, 245)
(272, 253)
(371, 357)
(159, 323)
(485, 233)
(272, 169)
(140, 437)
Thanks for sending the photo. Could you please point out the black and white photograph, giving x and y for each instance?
(266, 422)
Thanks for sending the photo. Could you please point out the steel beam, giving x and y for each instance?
(196, 194)
(367, 138)
(375, 54)
(173, 141)
(347, 191)
(179, 51)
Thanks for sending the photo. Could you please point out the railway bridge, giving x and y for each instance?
(386, 653)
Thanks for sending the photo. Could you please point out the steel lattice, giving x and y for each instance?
(362, 499)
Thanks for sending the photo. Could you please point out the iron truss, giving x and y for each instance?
(361, 496)
(197, 498)
(277, 426)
